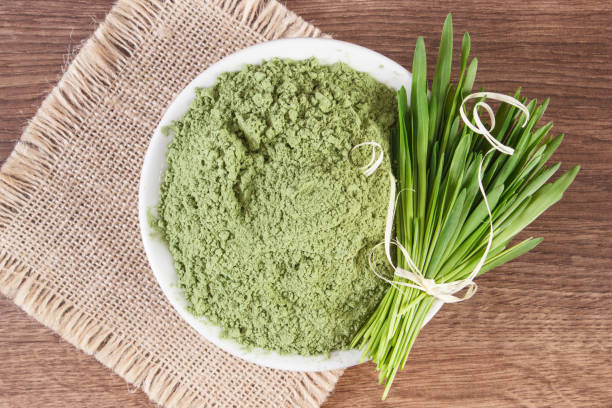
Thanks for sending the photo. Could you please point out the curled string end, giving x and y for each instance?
(375, 160)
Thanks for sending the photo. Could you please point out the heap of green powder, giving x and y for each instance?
(268, 221)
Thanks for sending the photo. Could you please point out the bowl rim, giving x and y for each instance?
(326, 51)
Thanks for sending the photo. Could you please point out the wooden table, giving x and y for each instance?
(539, 332)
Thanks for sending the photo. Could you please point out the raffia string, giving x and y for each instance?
(443, 291)
(375, 161)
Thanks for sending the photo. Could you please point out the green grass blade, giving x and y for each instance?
(466, 44)
(511, 253)
(441, 78)
(420, 118)
(538, 181)
(470, 77)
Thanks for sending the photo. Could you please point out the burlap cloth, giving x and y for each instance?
(70, 248)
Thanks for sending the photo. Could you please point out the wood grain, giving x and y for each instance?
(539, 332)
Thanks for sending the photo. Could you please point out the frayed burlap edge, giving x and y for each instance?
(80, 89)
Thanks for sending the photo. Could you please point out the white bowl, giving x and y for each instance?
(327, 52)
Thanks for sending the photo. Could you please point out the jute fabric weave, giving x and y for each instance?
(70, 249)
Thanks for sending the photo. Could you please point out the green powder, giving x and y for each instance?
(268, 221)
